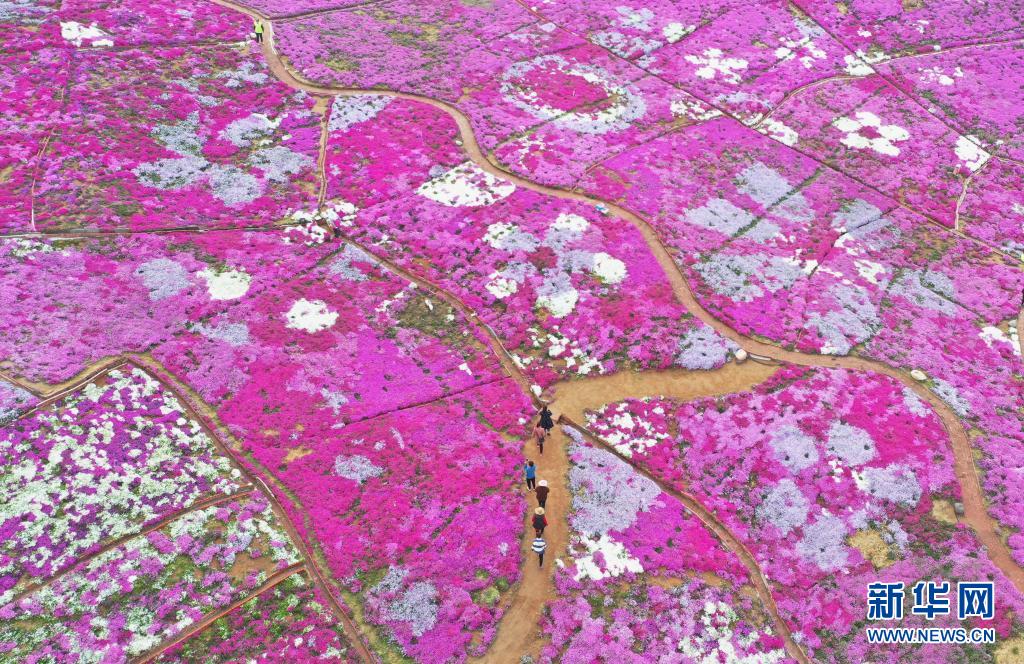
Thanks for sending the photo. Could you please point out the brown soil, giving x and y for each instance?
(573, 398)
(50, 392)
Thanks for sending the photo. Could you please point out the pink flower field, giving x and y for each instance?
(286, 288)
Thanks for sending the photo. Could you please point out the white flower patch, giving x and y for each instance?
(869, 270)
(608, 269)
(628, 104)
(466, 185)
(226, 284)
(163, 277)
(937, 75)
(356, 468)
(638, 19)
(559, 345)
(778, 131)
(860, 64)
(24, 247)
(310, 234)
(310, 315)
(792, 48)
(895, 483)
(501, 287)
(794, 449)
(628, 435)
(883, 143)
(616, 559)
(558, 295)
(712, 64)
(857, 67)
(675, 31)
(625, 45)
(509, 237)
(250, 129)
(716, 642)
(573, 223)
(76, 33)
(993, 335)
(348, 111)
(852, 444)
(693, 109)
(970, 153)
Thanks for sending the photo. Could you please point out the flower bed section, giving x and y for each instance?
(98, 465)
(993, 209)
(878, 30)
(807, 258)
(129, 600)
(290, 622)
(833, 479)
(172, 137)
(392, 438)
(646, 580)
(569, 291)
(127, 293)
(380, 148)
(120, 23)
(429, 48)
(977, 90)
(32, 85)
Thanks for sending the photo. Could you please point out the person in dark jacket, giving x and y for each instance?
(545, 419)
(540, 522)
(539, 545)
(531, 475)
(542, 493)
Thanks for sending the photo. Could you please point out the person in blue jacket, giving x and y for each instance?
(531, 475)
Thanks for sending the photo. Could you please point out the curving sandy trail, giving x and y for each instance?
(519, 630)
(519, 633)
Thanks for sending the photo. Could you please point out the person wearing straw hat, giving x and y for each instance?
(538, 547)
(257, 28)
(540, 522)
(542, 493)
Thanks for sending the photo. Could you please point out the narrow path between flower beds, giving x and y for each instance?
(519, 630)
(519, 633)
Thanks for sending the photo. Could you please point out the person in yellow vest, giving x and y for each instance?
(257, 27)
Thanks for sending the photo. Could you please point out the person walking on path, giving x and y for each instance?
(542, 493)
(257, 27)
(531, 475)
(540, 522)
(545, 419)
(538, 547)
(539, 434)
